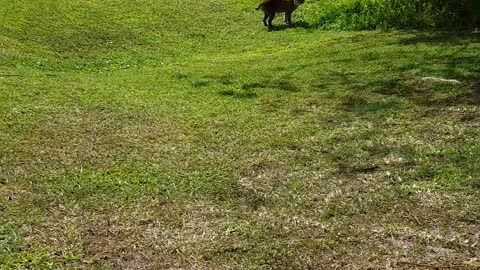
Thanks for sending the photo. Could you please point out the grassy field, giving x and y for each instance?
(184, 135)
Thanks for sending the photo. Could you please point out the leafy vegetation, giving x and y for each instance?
(183, 134)
(398, 14)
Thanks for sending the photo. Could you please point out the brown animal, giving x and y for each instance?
(270, 7)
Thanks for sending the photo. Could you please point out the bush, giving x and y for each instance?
(386, 14)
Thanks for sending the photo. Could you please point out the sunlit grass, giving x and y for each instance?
(143, 134)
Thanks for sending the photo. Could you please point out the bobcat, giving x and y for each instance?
(270, 7)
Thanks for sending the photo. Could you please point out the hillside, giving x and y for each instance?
(184, 135)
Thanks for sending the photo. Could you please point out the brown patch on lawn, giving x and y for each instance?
(369, 228)
(470, 118)
(90, 139)
(147, 235)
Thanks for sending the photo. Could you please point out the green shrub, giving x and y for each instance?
(385, 14)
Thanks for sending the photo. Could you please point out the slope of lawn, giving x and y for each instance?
(184, 135)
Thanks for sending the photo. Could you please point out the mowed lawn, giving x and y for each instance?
(184, 135)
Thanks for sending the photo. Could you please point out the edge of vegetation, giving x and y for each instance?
(393, 14)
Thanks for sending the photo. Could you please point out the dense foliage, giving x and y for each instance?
(384, 14)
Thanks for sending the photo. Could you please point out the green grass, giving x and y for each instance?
(183, 134)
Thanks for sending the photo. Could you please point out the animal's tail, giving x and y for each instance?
(259, 6)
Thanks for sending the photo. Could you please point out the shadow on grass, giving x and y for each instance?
(364, 104)
(247, 90)
(429, 94)
(387, 98)
(249, 86)
(453, 63)
(439, 38)
(238, 95)
(282, 84)
(298, 24)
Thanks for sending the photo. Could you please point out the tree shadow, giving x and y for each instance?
(297, 24)
(440, 38)
(238, 94)
(283, 84)
(429, 94)
(456, 59)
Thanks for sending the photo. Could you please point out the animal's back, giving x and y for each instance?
(277, 5)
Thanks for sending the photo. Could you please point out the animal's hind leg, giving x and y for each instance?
(288, 18)
(270, 19)
(265, 19)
